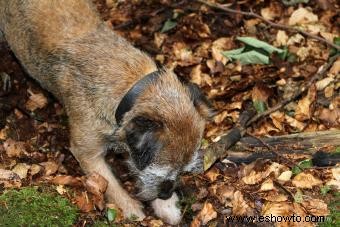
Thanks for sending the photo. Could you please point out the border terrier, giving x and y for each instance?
(112, 92)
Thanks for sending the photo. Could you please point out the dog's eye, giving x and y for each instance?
(143, 123)
(142, 141)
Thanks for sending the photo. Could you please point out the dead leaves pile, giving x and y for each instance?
(33, 150)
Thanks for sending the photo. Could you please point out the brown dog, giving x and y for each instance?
(112, 92)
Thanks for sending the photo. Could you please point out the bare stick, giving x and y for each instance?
(275, 25)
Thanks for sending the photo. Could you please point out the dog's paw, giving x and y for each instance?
(167, 210)
(133, 210)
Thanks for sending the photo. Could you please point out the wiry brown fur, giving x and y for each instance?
(65, 46)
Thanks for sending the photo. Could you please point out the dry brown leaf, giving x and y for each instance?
(50, 167)
(35, 101)
(316, 207)
(267, 185)
(277, 209)
(96, 184)
(285, 176)
(302, 111)
(305, 180)
(14, 148)
(295, 39)
(205, 215)
(281, 38)
(212, 174)
(35, 169)
(278, 119)
(274, 196)
(196, 75)
(322, 84)
(184, 56)
(240, 206)
(3, 133)
(220, 45)
(302, 16)
(255, 177)
(21, 169)
(60, 189)
(224, 193)
(84, 203)
(260, 92)
(67, 180)
(336, 181)
(268, 13)
(9, 179)
(335, 70)
(330, 117)
(159, 39)
(294, 123)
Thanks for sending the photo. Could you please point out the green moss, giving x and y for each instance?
(29, 207)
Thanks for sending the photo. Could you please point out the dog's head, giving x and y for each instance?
(164, 131)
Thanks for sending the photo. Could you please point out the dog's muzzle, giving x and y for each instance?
(166, 189)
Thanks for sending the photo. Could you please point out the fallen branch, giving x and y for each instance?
(307, 143)
(272, 24)
(220, 149)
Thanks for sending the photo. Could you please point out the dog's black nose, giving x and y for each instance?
(166, 189)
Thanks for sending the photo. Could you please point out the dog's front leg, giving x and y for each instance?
(89, 151)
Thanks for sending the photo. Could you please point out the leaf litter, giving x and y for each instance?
(200, 44)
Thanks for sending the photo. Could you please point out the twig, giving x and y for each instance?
(275, 25)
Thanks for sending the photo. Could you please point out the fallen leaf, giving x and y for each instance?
(50, 167)
(9, 179)
(303, 111)
(84, 203)
(276, 209)
(281, 38)
(278, 119)
(205, 215)
(305, 180)
(302, 16)
(218, 46)
(335, 70)
(255, 177)
(212, 174)
(330, 117)
(96, 184)
(240, 206)
(14, 149)
(267, 185)
(294, 123)
(35, 101)
(21, 169)
(67, 180)
(274, 196)
(60, 189)
(196, 75)
(322, 84)
(285, 176)
(315, 207)
(35, 169)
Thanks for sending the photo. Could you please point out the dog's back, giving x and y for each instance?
(56, 21)
(53, 37)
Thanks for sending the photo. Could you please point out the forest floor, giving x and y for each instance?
(189, 37)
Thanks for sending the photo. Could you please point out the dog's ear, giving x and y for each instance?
(202, 104)
(142, 140)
